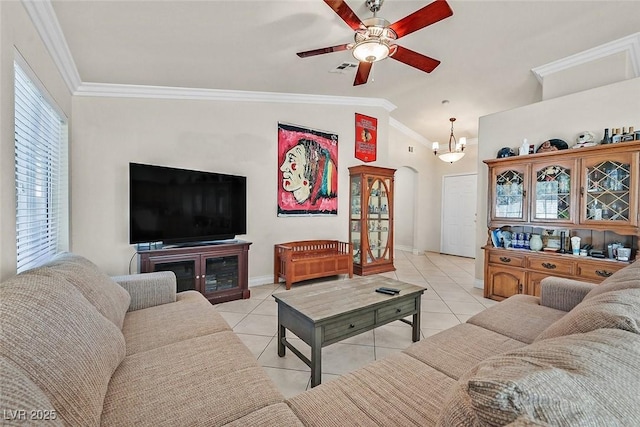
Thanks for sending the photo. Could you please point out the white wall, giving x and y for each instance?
(17, 32)
(228, 137)
(614, 105)
(404, 200)
(423, 162)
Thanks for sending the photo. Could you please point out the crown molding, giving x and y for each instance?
(409, 132)
(629, 44)
(46, 23)
(165, 92)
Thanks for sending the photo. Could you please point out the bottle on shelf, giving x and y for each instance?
(617, 136)
(606, 139)
(628, 136)
(562, 249)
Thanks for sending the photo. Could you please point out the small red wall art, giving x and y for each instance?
(366, 138)
(307, 171)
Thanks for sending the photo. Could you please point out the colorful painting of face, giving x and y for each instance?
(307, 175)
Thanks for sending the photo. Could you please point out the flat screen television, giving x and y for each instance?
(184, 206)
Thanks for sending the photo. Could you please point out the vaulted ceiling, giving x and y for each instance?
(487, 49)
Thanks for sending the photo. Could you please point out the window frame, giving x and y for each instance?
(40, 170)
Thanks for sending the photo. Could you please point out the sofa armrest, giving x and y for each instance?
(149, 289)
(563, 294)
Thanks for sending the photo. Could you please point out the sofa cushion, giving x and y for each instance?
(214, 378)
(273, 415)
(105, 294)
(627, 278)
(396, 391)
(21, 401)
(456, 350)
(581, 379)
(615, 310)
(63, 344)
(508, 318)
(191, 316)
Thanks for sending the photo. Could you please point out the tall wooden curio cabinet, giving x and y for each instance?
(371, 219)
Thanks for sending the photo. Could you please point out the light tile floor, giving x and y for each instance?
(450, 298)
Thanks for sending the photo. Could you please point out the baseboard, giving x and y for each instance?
(260, 280)
(478, 283)
(407, 249)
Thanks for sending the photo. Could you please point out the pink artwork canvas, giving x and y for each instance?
(307, 171)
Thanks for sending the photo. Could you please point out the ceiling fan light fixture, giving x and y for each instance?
(373, 40)
(371, 50)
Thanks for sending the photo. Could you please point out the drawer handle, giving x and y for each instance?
(548, 265)
(398, 310)
(505, 259)
(351, 326)
(604, 273)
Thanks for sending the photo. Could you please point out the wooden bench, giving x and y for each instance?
(310, 259)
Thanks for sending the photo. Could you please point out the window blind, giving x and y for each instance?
(40, 173)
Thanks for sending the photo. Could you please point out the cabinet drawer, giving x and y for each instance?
(348, 325)
(396, 311)
(597, 271)
(507, 258)
(552, 266)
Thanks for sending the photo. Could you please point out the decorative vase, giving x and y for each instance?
(535, 243)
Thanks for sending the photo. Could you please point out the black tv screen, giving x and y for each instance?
(178, 205)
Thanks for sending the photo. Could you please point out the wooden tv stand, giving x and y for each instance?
(218, 271)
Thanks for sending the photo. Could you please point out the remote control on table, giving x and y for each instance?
(383, 291)
(394, 290)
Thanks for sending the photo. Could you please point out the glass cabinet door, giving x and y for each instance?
(378, 219)
(220, 273)
(609, 190)
(551, 192)
(510, 190)
(185, 271)
(355, 218)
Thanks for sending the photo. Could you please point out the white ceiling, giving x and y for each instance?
(487, 49)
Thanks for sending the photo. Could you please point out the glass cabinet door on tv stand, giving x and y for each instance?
(218, 271)
(371, 219)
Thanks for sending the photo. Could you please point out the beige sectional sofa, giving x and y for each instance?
(91, 350)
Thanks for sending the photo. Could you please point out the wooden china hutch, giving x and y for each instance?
(589, 192)
(371, 219)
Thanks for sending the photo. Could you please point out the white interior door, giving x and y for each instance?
(459, 194)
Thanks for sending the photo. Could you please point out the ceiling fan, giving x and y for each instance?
(375, 37)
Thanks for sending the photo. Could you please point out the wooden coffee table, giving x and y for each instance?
(325, 313)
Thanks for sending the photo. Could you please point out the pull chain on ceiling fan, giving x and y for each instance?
(374, 38)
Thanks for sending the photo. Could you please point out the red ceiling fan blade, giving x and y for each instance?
(415, 59)
(344, 11)
(362, 74)
(430, 14)
(322, 51)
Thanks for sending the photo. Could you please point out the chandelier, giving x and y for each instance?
(456, 149)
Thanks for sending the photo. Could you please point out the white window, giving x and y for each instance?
(40, 171)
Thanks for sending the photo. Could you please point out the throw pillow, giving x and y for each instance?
(22, 402)
(582, 379)
(111, 299)
(627, 278)
(615, 310)
(61, 342)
